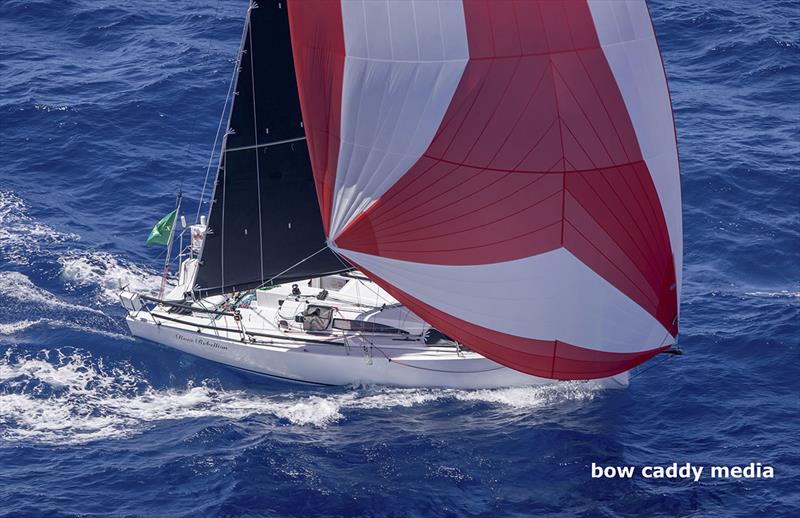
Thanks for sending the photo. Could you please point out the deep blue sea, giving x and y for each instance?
(108, 107)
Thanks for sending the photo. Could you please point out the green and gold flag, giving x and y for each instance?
(160, 233)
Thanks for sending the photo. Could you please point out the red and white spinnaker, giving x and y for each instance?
(506, 169)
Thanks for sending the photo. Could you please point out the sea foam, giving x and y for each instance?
(22, 236)
(73, 398)
(107, 273)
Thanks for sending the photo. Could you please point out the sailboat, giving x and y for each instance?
(449, 193)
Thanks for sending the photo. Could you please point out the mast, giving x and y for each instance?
(169, 244)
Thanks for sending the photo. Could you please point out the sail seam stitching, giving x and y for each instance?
(267, 144)
(255, 136)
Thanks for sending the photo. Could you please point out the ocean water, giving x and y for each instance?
(108, 107)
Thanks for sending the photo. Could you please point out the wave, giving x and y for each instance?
(70, 397)
(11, 328)
(21, 236)
(21, 290)
(25, 305)
(15, 328)
(783, 294)
(23, 239)
(107, 273)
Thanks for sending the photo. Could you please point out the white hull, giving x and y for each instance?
(361, 362)
(360, 336)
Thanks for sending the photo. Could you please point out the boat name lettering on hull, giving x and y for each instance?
(201, 341)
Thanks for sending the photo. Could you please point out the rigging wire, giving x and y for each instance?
(360, 283)
(255, 140)
(225, 110)
(222, 166)
(198, 114)
(668, 357)
(295, 265)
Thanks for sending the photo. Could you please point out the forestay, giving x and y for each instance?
(506, 169)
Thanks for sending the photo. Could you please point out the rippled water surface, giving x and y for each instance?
(106, 108)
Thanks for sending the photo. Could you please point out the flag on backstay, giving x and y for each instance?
(160, 233)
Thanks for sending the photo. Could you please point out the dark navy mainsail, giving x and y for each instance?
(264, 215)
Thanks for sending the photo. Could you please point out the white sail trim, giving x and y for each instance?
(629, 44)
(551, 296)
(404, 62)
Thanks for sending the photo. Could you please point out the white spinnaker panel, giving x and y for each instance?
(626, 34)
(539, 297)
(404, 62)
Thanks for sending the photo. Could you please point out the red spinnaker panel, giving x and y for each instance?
(319, 55)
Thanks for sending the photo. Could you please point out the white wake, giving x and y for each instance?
(107, 273)
(25, 306)
(69, 398)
